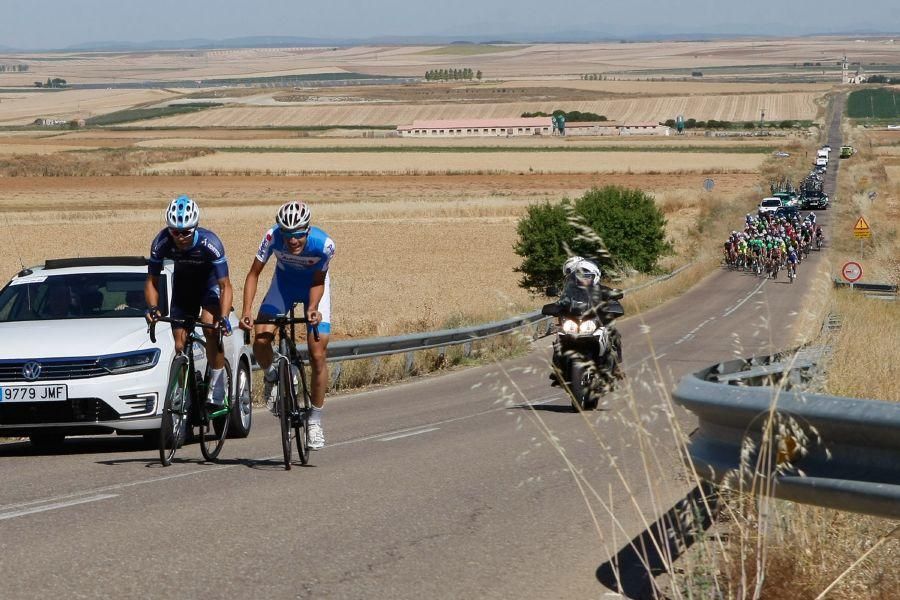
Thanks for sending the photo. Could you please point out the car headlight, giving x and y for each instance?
(570, 326)
(589, 326)
(131, 361)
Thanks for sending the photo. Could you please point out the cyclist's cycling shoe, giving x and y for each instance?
(214, 404)
(316, 437)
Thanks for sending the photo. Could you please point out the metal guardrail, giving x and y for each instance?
(882, 289)
(840, 453)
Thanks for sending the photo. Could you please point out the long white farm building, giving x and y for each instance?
(524, 127)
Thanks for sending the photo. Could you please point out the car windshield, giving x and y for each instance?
(41, 297)
(773, 202)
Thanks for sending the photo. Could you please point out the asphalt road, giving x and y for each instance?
(451, 486)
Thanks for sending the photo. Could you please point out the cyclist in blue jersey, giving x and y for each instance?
(302, 255)
(201, 284)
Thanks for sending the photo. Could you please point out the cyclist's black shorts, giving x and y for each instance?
(188, 299)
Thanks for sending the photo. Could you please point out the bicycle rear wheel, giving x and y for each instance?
(214, 427)
(173, 421)
(285, 406)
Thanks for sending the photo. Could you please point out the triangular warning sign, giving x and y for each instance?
(861, 225)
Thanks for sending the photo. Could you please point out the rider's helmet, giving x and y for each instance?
(570, 264)
(293, 216)
(586, 273)
(183, 213)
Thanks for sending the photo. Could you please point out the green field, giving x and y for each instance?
(880, 103)
(138, 114)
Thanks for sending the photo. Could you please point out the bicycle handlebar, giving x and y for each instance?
(188, 324)
(281, 320)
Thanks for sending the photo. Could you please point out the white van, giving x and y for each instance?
(822, 161)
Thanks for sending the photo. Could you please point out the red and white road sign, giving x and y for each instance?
(852, 271)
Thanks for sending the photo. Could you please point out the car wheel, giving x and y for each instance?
(47, 441)
(242, 411)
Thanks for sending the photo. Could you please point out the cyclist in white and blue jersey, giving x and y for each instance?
(200, 285)
(302, 255)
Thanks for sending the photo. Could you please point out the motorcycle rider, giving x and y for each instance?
(583, 275)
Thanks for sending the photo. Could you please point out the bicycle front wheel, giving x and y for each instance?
(174, 418)
(285, 405)
(214, 426)
(301, 424)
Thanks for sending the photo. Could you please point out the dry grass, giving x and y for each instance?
(22, 108)
(460, 162)
(88, 164)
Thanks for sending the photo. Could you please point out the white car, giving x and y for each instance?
(76, 358)
(769, 205)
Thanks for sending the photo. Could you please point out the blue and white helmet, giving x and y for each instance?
(183, 213)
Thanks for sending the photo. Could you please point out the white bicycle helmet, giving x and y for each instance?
(293, 216)
(570, 264)
(183, 213)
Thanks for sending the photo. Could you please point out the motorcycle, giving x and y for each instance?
(587, 353)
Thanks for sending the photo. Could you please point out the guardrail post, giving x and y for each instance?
(336, 373)
(467, 349)
(410, 357)
(376, 364)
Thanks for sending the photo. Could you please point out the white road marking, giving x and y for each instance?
(405, 435)
(54, 506)
(690, 334)
(747, 297)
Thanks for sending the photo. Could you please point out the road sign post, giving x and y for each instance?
(862, 231)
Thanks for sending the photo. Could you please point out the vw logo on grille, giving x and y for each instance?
(31, 370)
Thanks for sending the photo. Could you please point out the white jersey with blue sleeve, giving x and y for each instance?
(315, 257)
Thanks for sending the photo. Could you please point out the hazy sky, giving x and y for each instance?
(35, 24)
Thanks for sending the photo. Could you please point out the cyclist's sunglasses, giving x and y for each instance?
(295, 235)
(181, 233)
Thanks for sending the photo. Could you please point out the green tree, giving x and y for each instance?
(612, 222)
(630, 224)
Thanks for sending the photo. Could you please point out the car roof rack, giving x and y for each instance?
(96, 261)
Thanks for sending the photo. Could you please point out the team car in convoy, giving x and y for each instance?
(76, 359)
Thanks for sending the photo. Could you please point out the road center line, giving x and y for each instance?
(56, 505)
(410, 434)
(747, 297)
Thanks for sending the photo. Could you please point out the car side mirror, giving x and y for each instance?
(551, 310)
(551, 291)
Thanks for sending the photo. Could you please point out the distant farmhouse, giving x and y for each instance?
(525, 127)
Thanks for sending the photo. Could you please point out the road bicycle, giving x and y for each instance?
(185, 404)
(292, 404)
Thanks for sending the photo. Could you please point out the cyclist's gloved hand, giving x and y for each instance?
(152, 314)
(225, 325)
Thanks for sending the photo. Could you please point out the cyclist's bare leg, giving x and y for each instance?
(319, 368)
(262, 345)
(215, 359)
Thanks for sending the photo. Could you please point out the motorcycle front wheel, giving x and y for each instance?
(581, 378)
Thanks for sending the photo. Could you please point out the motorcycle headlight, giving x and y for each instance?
(570, 326)
(587, 327)
(132, 361)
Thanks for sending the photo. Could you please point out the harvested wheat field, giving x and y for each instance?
(380, 225)
(450, 162)
(22, 108)
(738, 107)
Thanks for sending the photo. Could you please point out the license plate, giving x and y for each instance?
(34, 393)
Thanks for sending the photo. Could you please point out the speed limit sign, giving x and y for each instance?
(852, 271)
